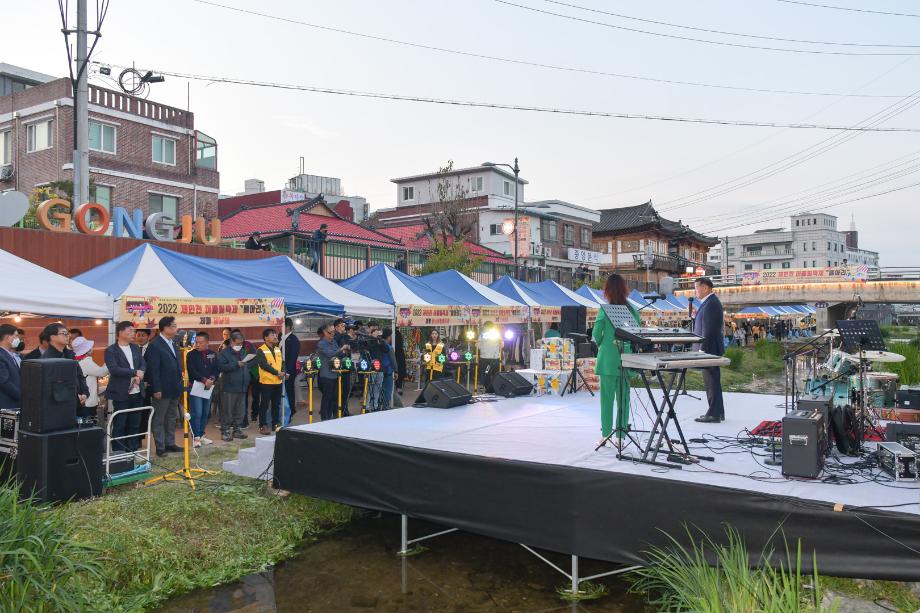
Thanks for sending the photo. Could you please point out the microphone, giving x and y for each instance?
(690, 307)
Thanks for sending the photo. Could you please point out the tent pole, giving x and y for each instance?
(395, 366)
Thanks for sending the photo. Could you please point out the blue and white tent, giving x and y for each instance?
(457, 285)
(586, 291)
(150, 270)
(388, 285)
(545, 293)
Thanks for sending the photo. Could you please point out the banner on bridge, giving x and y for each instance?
(832, 274)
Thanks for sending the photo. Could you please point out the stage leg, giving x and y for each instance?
(575, 580)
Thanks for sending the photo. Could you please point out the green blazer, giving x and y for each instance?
(608, 352)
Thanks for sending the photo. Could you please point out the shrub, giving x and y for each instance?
(41, 565)
(736, 355)
(768, 350)
(909, 369)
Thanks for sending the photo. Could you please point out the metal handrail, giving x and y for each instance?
(111, 457)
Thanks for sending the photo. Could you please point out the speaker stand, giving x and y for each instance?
(576, 382)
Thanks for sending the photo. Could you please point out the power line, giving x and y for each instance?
(697, 40)
(707, 30)
(520, 107)
(847, 8)
(535, 64)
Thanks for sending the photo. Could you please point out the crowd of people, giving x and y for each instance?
(747, 332)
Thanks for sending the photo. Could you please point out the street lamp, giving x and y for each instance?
(516, 170)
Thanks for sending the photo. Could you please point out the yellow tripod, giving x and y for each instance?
(186, 473)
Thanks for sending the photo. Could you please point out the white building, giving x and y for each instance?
(812, 241)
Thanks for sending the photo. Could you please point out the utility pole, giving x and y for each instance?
(81, 113)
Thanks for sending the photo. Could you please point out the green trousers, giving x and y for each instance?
(614, 388)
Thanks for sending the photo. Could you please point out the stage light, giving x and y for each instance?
(442, 358)
(363, 365)
(376, 364)
(348, 363)
(454, 355)
(319, 363)
(17, 319)
(98, 322)
(509, 334)
(468, 356)
(336, 363)
(297, 322)
(427, 357)
(470, 335)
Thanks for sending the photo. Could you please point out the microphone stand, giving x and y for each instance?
(683, 387)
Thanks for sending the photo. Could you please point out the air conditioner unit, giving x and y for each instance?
(6, 172)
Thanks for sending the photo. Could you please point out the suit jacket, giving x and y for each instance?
(710, 323)
(10, 383)
(120, 371)
(291, 352)
(608, 352)
(164, 370)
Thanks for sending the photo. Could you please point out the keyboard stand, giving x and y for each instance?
(664, 416)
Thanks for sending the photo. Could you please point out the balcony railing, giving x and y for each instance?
(669, 263)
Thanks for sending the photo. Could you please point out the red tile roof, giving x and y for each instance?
(409, 235)
(274, 218)
(228, 206)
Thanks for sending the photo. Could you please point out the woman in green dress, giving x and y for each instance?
(614, 382)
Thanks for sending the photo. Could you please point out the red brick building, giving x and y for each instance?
(143, 155)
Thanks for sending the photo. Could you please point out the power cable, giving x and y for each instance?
(696, 40)
(520, 107)
(534, 64)
(709, 31)
(847, 8)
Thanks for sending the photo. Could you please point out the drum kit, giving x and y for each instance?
(845, 376)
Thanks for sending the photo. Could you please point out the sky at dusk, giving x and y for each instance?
(714, 177)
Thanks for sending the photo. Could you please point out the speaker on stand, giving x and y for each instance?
(49, 395)
(573, 319)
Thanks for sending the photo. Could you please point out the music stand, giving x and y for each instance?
(860, 336)
(573, 385)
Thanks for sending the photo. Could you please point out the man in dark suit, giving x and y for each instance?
(126, 371)
(291, 353)
(58, 340)
(10, 385)
(709, 323)
(164, 382)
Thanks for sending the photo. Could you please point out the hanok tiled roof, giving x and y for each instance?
(645, 217)
(410, 237)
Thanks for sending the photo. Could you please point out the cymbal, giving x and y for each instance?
(876, 356)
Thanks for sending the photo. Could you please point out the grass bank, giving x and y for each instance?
(753, 369)
(150, 543)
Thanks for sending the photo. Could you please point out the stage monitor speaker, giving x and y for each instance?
(905, 434)
(63, 465)
(49, 395)
(446, 394)
(804, 444)
(509, 384)
(573, 320)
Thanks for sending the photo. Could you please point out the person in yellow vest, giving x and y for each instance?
(271, 378)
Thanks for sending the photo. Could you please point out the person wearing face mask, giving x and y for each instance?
(10, 384)
(231, 362)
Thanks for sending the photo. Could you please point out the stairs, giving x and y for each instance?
(254, 462)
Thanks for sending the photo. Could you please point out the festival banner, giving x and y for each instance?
(834, 274)
(546, 314)
(498, 315)
(146, 311)
(418, 315)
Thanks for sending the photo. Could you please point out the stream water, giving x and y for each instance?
(357, 569)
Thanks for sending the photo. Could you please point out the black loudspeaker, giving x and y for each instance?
(573, 320)
(906, 434)
(804, 443)
(63, 465)
(510, 384)
(49, 395)
(446, 394)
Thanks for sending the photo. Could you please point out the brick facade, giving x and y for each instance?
(130, 171)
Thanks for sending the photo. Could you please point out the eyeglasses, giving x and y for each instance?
(64, 333)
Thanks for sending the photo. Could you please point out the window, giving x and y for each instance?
(205, 151)
(814, 264)
(767, 266)
(164, 150)
(828, 245)
(804, 264)
(755, 249)
(828, 263)
(804, 246)
(159, 203)
(814, 246)
(749, 267)
(39, 135)
(796, 222)
(506, 188)
(585, 237)
(476, 184)
(101, 137)
(6, 148)
(568, 234)
(494, 229)
(549, 231)
(785, 265)
(835, 246)
(731, 251)
(104, 196)
(814, 221)
(408, 193)
(835, 263)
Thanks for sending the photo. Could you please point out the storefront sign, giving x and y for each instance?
(835, 274)
(589, 257)
(289, 195)
(57, 215)
(146, 311)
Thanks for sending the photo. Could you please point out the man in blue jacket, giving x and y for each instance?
(10, 385)
(709, 323)
(164, 381)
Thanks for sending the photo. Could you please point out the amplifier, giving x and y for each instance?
(9, 427)
(446, 394)
(908, 397)
(815, 402)
(49, 395)
(898, 461)
(905, 434)
(63, 465)
(510, 384)
(804, 443)
(8, 455)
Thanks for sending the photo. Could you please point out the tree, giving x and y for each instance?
(450, 219)
(451, 256)
(54, 189)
